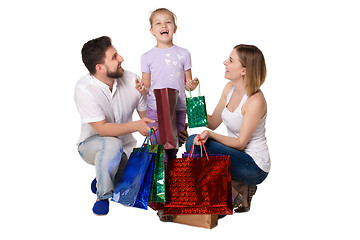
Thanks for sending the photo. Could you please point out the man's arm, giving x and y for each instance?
(142, 114)
(104, 128)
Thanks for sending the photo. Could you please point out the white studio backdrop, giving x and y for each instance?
(312, 53)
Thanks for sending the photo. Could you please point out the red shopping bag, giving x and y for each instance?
(166, 99)
(198, 185)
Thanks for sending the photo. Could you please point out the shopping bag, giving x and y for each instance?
(157, 190)
(134, 185)
(157, 187)
(196, 110)
(198, 185)
(202, 220)
(166, 100)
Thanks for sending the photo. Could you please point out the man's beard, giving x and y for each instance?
(117, 74)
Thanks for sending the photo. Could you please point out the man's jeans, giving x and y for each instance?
(106, 154)
(243, 167)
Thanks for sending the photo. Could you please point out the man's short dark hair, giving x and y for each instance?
(93, 52)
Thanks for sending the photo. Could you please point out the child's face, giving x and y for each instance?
(163, 27)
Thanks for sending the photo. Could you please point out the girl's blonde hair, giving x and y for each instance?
(161, 10)
(253, 60)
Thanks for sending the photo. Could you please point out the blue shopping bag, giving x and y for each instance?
(134, 185)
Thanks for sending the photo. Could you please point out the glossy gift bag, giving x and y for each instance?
(166, 100)
(196, 110)
(198, 185)
(157, 189)
(134, 185)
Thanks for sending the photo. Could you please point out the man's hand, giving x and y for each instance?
(142, 126)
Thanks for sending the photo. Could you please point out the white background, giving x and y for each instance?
(312, 54)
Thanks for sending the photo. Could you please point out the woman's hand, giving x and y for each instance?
(203, 136)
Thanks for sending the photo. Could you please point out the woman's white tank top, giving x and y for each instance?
(257, 147)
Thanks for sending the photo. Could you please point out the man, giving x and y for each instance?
(106, 99)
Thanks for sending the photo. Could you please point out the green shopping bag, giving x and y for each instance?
(157, 189)
(196, 110)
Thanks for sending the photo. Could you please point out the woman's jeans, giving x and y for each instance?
(105, 153)
(243, 167)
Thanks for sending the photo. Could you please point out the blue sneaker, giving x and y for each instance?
(93, 186)
(101, 207)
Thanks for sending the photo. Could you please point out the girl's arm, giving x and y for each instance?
(189, 82)
(143, 86)
(146, 80)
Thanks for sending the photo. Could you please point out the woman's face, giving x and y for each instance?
(234, 70)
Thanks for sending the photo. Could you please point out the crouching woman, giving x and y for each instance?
(243, 109)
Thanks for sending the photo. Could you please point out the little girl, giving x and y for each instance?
(165, 66)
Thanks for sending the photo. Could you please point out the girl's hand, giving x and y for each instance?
(183, 135)
(140, 87)
(191, 83)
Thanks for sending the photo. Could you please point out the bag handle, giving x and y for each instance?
(153, 135)
(198, 88)
(146, 141)
(201, 146)
(207, 156)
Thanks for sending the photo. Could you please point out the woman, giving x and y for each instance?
(242, 108)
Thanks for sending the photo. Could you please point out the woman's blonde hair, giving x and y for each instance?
(253, 60)
(161, 10)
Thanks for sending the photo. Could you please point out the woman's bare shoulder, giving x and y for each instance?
(227, 89)
(257, 102)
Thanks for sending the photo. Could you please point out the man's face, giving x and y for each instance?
(112, 63)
